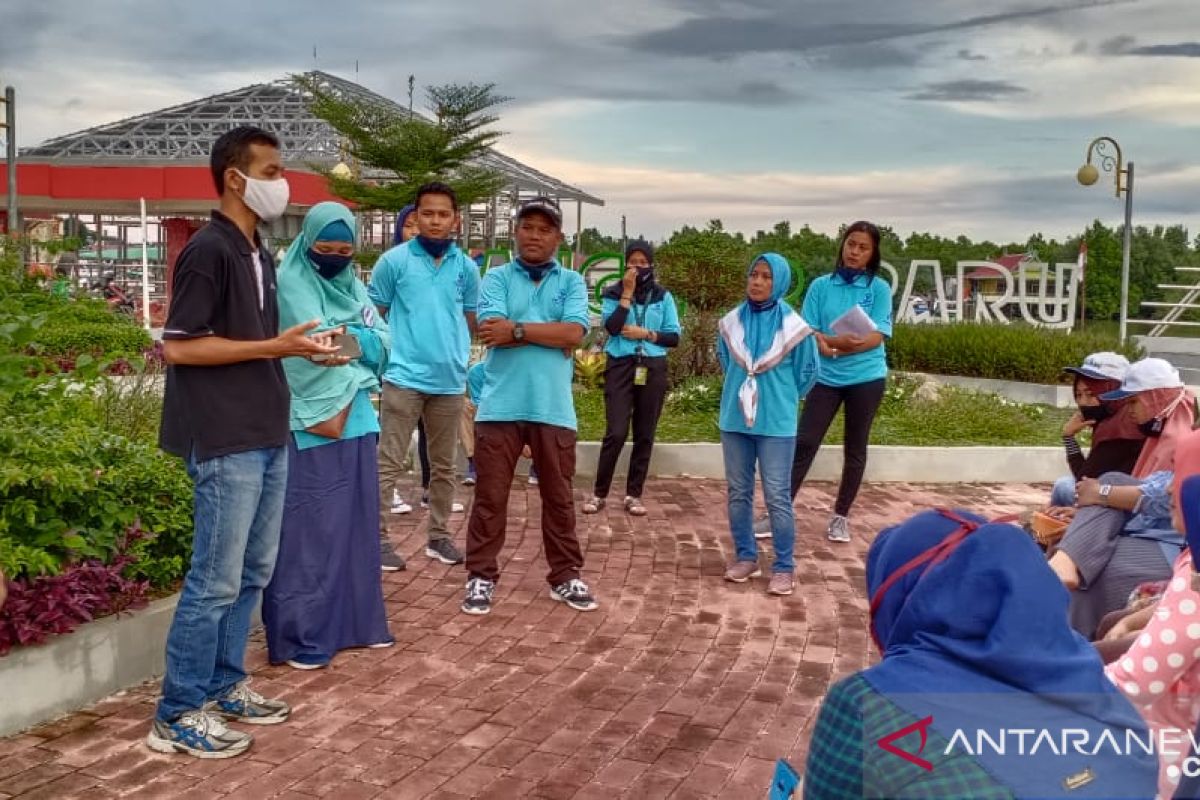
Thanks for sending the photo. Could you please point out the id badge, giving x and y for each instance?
(639, 376)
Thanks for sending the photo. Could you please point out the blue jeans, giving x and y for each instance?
(773, 456)
(1063, 493)
(238, 511)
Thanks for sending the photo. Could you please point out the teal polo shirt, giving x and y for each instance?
(827, 299)
(661, 316)
(531, 383)
(780, 390)
(425, 306)
(476, 376)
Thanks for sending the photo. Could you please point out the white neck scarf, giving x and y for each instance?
(793, 331)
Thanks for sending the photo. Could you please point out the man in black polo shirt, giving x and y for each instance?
(226, 413)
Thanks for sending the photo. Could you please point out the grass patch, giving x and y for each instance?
(957, 418)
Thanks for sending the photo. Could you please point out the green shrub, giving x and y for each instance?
(68, 338)
(696, 355)
(69, 489)
(1006, 352)
(131, 404)
(695, 396)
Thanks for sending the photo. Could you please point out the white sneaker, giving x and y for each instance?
(303, 665)
(839, 529)
(398, 504)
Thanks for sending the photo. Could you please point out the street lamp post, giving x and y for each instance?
(1088, 174)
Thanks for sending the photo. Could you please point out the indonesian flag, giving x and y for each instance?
(1082, 262)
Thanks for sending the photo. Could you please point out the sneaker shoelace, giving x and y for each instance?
(244, 693)
(576, 588)
(478, 590)
(205, 722)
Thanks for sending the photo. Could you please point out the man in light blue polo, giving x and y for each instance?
(427, 288)
(533, 314)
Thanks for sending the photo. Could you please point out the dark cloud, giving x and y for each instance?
(1179, 49)
(782, 30)
(1117, 45)
(854, 57)
(746, 93)
(966, 55)
(22, 31)
(968, 90)
(1126, 45)
(764, 93)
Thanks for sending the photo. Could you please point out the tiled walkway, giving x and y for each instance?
(680, 686)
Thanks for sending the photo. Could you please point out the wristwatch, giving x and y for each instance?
(519, 332)
(1105, 491)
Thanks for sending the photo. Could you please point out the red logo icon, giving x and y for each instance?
(920, 726)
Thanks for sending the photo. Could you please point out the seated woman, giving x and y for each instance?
(970, 608)
(1160, 673)
(1116, 440)
(326, 594)
(1121, 535)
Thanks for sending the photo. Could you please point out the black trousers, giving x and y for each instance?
(820, 407)
(624, 401)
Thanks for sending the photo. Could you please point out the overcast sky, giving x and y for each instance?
(955, 116)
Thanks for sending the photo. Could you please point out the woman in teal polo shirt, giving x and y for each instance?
(853, 365)
(642, 323)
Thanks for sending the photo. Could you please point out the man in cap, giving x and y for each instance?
(532, 314)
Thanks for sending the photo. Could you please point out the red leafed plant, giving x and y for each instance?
(45, 606)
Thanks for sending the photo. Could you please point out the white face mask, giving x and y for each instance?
(267, 199)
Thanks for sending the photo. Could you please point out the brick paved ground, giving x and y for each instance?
(681, 686)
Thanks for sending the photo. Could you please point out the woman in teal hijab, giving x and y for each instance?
(769, 356)
(326, 594)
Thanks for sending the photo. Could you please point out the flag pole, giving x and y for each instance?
(1082, 283)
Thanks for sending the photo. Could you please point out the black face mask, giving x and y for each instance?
(329, 265)
(435, 247)
(1152, 428)
(536, 271)
(1095, 413)
(645, 279)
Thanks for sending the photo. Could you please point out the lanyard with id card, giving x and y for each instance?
(640, 372)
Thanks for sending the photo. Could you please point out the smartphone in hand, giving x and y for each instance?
(347, 344)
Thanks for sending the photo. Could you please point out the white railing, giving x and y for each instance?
(1176, 308)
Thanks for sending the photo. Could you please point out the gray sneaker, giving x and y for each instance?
(762, 528)
(389, 559)
(444, 551)
(781, 583)
(198, 734)
(839, 529)
(742, 571)
(242, 704)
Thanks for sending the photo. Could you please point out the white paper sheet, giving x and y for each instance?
(854, 322)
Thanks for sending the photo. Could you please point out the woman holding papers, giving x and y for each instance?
(769, 356)
(851, 311)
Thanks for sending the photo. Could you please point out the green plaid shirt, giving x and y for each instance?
(845, 762)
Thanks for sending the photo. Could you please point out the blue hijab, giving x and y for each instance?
(401, 218)
(1189, 504)
(983, 615)
(762, 321)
